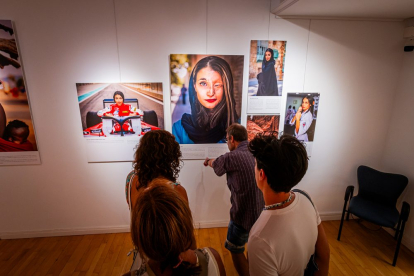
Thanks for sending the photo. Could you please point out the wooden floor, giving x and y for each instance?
(360, 252)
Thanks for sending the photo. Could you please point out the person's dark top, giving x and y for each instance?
(246, 199)
(267, 80)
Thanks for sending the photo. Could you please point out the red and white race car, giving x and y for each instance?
(106, 123)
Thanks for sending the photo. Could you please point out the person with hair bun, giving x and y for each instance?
(162, 230)
(289, 230)
(213, 107)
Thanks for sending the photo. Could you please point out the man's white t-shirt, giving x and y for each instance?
(282, 240)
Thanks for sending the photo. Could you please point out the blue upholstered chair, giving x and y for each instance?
(376, 202)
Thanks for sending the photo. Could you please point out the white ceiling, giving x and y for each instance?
(358, 9)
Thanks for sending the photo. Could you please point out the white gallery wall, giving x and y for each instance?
(398, 155)
(355, 65)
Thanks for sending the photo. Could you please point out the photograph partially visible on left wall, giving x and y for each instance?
(115, 116)
(18, 144)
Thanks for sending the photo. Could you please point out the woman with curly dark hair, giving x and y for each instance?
(157, 156)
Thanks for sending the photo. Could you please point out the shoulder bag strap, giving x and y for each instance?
(129, 192)
(312, 266)
(305, 194)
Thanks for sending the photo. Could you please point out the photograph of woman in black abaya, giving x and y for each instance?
(266, 75)
(267, 78)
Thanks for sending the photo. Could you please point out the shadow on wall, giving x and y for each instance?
(207, 205)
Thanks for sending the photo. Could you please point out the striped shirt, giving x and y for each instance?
(246, 199)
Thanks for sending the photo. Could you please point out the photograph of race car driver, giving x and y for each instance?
(120, 109)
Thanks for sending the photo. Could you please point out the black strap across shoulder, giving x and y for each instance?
(312, 266)
(305, 194)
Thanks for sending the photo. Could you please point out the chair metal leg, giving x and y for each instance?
(347, 215)
(348, 193)
(348, 196)
(397, 250)
(397, 230)
(405, 212)
(342, 222)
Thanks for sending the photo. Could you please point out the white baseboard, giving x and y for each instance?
(119, 229)
(407, 241)
(210, 224)
(93, 230)
(330, 216)
(63, 232)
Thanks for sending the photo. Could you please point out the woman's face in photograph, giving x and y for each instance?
(118, 100)
(209, 87)
(268, 56)
(305, 104)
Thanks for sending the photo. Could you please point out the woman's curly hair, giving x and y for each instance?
(157, 155)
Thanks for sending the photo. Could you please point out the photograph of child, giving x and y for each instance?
(16, 126)
(15, 137)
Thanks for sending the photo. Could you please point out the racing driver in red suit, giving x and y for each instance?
(120, 109)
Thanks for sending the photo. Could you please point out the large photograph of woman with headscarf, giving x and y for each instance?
(214, 87)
